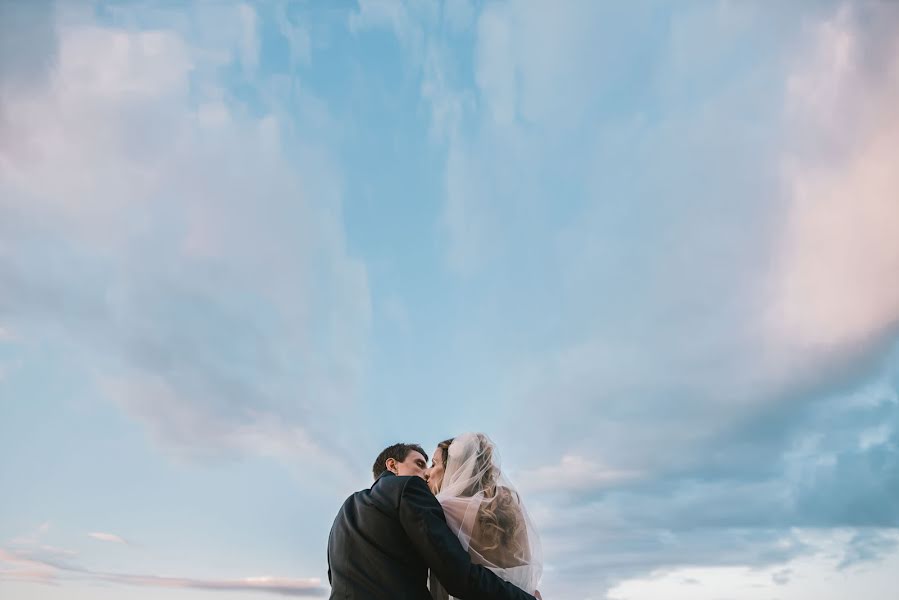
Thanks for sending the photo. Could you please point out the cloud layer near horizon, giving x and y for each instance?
(49, 566)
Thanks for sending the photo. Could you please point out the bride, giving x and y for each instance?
(485, 511)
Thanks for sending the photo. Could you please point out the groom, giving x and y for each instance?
(385, 539)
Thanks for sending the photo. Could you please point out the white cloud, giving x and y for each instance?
(107, 87)
(249, 38)
(162, 232)
(573, 474)
(108, 537)
(463, 213)
(35, 536)
(449, 104)
(181, 422)
(297, 35)
(405, 19)
(496, 70)
(810, 577)
(550, 66)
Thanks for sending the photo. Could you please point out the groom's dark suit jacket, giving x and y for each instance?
(385, 539)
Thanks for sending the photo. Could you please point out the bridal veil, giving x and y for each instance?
(485, 511)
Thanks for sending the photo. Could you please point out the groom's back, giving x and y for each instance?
(370, 557)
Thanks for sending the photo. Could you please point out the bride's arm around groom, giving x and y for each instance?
(423, 519)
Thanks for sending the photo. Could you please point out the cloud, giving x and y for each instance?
(405, 19)
(573, 474)
(38, 567)
(668, 273)
(696, 238)
(496, 69)
(273, 585)
(657, 213)
(297, 35)
(811, 576)
(249, 41)
(107, 537)
(30, 561)
(701, 243)
(33, 537)
(868, 545)
(834, 285)
(154, 224)
(463, 215)
(28, 46)
(449, 103)
(17, 568)
(182, 425)
(736, 500)
(782, 577)
(459, 14)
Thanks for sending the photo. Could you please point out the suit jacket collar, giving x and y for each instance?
(382, 476)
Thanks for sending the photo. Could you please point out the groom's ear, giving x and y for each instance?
(391, 465)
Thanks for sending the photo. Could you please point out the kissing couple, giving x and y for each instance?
(460, 519)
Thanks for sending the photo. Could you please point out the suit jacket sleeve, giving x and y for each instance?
(424, 522)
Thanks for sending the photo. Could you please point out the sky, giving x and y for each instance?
(650, 248)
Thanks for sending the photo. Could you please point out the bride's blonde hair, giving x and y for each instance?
(499, 519)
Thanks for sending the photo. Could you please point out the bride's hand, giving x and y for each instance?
(537, 595)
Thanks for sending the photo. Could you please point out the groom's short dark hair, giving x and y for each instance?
(397, 452)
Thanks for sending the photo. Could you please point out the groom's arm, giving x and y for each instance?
(424, 522)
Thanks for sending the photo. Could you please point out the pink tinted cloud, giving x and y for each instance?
(34, 566)
(15, 567)
(835, 284)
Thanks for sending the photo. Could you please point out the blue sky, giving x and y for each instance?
(648, 247)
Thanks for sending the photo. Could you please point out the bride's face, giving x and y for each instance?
(438, 467)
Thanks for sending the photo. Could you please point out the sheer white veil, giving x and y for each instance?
(486, 512)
